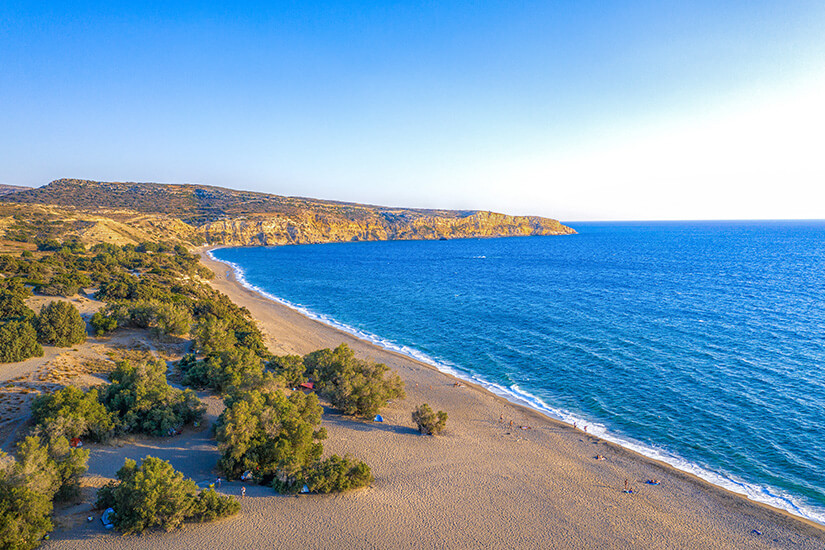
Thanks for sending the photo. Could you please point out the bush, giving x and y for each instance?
(337, 474)
(59, 324)
(272, 435)
(69, 413)
(156, 495)
(429, 422)
(354, 386)
(145, 403)
(18, 341)
(102, 324)
(211, 506)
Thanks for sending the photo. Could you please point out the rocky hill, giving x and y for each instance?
(217, 215)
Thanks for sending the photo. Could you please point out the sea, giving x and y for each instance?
(701, 344)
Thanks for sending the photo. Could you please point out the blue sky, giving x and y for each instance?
(574, 110)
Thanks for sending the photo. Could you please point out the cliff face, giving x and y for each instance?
(311, 228)
(199, 213)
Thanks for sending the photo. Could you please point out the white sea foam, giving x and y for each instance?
(759, 493)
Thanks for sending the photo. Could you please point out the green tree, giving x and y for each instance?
(146, 403)
(429, 422)
(352, 385)
(275, 436)
(236, 369)
(69, 412)
(24, 511)
(60, 324)
(13, 306)
(18, 341)
(155, 495)
(213, 335)
(289, 367)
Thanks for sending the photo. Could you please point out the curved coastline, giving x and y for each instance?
(757, 495)
(515, 395)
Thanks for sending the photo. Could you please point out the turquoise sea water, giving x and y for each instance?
(699, 343)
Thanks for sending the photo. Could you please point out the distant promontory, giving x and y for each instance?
(202, 214)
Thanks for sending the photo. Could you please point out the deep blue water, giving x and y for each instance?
(700, 343)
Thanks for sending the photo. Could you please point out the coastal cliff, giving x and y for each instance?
(318, 228)
(214, 215)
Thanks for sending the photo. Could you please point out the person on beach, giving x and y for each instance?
(243, 492)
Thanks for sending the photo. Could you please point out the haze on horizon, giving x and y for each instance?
(576, 111)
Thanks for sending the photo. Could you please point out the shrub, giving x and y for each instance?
(428, 421)
(18, 341)
(145, 403)
(210, 506)
(154, 494)
(59, 324)
(102, 324)
(354, 386)
(272, 435)
(69, 413)
(337, 474)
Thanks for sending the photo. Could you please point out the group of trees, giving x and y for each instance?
(155, 495)
(266, 430)
(22, 332)
(138, 400)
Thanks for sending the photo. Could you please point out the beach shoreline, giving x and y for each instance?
(289, 331)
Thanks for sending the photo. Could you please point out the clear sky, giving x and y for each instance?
(573, 110)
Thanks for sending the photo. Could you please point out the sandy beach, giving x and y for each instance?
(481, 485)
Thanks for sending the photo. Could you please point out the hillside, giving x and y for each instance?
(6, 189)
(226, 216)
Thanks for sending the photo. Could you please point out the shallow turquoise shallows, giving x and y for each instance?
(698, 343)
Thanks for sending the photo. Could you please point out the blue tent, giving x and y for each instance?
(378, 418)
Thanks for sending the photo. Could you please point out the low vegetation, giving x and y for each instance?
(428, 421)
(155, 495)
